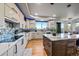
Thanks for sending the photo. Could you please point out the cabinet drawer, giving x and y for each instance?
(71, 43)
(71, 51)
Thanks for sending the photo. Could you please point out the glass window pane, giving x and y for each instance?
(41, 25)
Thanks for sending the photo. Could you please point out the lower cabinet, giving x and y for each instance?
(26, 39)
(10, 51)
(5, 54)
(18, 48)
(60, 47)
(47, 46)
(71, 47)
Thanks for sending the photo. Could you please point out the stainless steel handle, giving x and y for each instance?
(15, 49)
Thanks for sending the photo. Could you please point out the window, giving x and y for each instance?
(41, 24)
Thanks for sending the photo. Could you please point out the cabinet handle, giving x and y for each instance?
(15, 49)
(22, 41)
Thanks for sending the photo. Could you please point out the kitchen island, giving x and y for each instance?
(60, 45)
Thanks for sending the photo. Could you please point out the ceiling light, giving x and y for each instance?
(36, 14)
(54, 15)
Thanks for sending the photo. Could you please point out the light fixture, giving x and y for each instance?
(36, 14)
(54, 15)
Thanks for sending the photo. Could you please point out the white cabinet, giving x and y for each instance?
(36, 35)
(1, 10)
(30, 35)
(2, 23)
(11, 12)
(26, 38)
(5, 54)
(10, 51)
(15, 50)
(18, 48)
(30, 24)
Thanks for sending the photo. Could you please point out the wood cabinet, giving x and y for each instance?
(60, 47)
(47, 46)
(71, 47)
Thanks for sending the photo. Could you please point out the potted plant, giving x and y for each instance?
(53, 30)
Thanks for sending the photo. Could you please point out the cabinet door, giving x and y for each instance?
(15, 50)
(59, 48)
(1, 10)
(2, 22)
(71, 47)
(10, 52)
(5, 54)
(10, 12)
(19, 48)
(26, 40)
(47, 46)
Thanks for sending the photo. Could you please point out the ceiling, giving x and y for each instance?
(45, 11)
(23, 8)
(59, 9)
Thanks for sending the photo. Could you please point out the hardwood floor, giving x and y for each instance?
(37, 47)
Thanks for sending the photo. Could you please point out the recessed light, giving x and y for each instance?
(36, 14)
(54, 15)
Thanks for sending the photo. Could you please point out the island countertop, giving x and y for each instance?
(61, 36)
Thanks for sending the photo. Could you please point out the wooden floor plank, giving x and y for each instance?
(37, 47)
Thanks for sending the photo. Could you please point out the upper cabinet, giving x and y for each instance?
(30, 24)
(1, 10)
(11, 11)
(2, 23)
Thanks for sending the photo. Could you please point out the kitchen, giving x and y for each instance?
(39, 29)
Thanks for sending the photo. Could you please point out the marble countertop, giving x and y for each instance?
(6, 46)
(61, 37)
